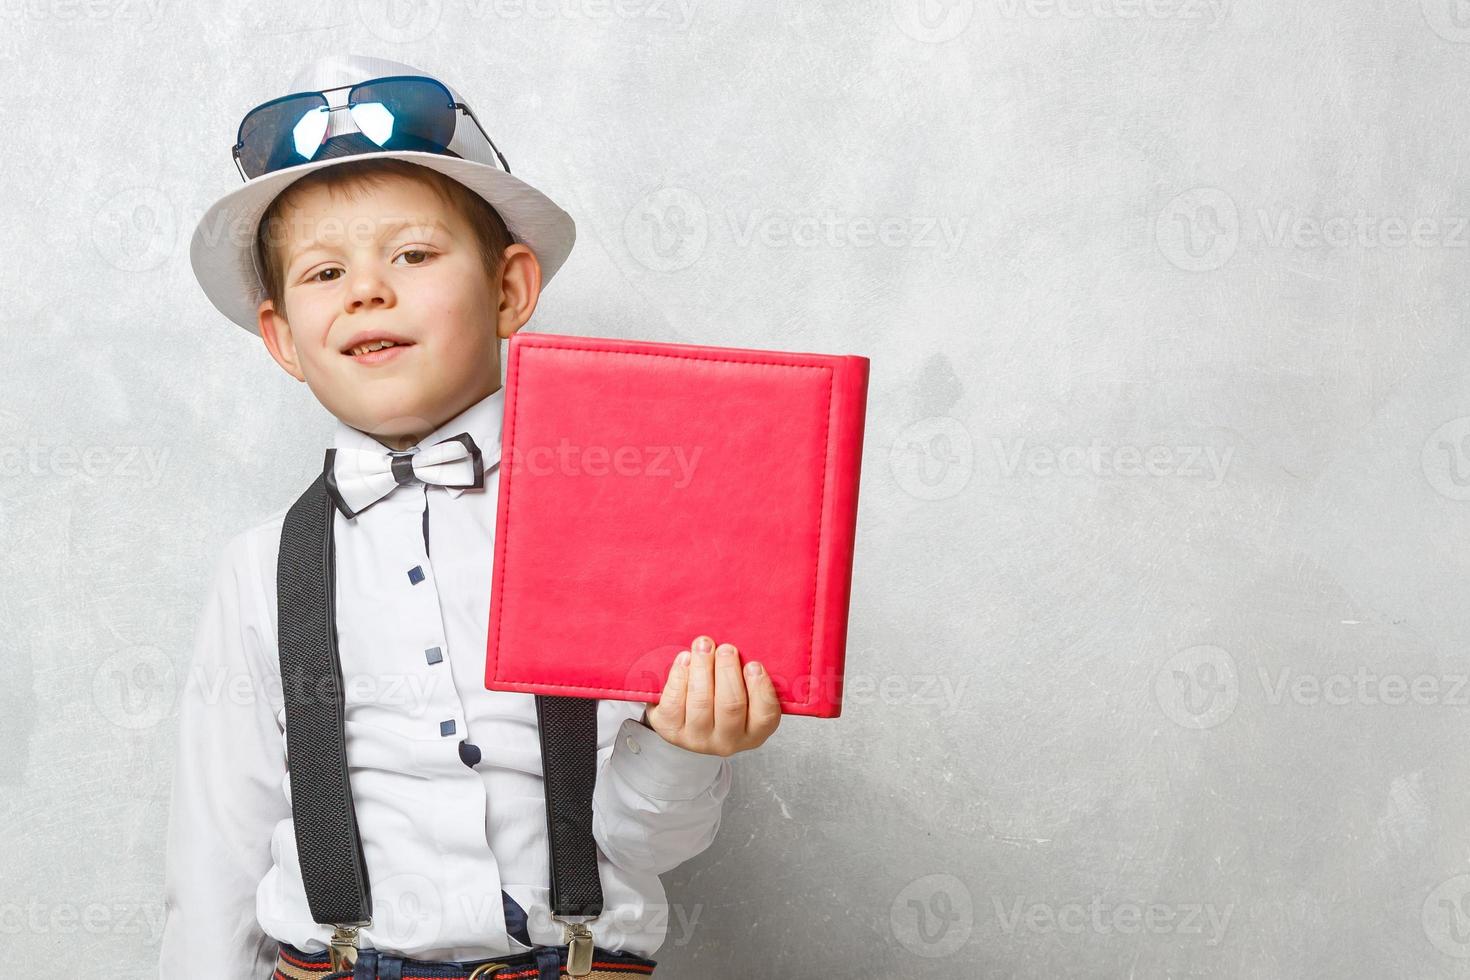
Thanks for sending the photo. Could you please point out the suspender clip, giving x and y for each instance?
(579, 949)
(343, 946)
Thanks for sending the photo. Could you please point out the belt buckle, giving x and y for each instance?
(486, 970)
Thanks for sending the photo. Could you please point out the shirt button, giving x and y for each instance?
(633, 745)
(446, 727)
(416, 574)
(433, 655)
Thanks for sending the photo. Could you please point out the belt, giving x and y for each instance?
(294, 964)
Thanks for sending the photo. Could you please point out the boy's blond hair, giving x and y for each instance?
(491, 235)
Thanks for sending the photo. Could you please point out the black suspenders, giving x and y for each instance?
(332, 865)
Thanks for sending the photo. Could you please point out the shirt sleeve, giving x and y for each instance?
(656, 805)
(227, 788)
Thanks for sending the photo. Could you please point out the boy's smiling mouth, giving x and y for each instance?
(375, 347)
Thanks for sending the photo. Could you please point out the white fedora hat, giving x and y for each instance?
(222, 250)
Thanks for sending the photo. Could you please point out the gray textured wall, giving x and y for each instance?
(1158, 649)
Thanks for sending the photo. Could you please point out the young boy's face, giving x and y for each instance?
(393, 261)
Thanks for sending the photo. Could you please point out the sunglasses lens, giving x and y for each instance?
(405, 114)
(282, 133)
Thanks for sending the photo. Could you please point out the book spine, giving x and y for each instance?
(839, 528)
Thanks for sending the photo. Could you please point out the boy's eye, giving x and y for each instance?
(423, 253)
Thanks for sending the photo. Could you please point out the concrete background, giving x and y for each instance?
(1158, 662)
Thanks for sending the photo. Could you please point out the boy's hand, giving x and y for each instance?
(709, 705)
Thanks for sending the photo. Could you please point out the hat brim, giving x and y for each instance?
(222, 248)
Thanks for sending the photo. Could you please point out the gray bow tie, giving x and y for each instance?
(359, 478)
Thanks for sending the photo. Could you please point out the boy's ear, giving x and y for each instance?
(276, 333)
(520, 289)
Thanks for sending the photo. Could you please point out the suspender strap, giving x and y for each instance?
(333, 869)
(568, 726)
(332, 865)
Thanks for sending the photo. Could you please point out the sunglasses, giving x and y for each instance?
(398, 112)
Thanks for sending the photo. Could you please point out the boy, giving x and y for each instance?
(384, 278)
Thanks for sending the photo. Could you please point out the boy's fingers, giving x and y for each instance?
(671, 701)
(699, 704)
(765, 704)
(730, 699)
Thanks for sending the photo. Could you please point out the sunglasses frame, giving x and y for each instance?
(240, 133)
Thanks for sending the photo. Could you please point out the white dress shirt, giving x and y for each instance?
(441, 838)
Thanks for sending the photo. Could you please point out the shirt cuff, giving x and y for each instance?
(658, 768)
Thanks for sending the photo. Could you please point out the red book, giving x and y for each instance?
(651, 492)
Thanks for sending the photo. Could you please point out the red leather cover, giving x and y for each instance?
(651, 492)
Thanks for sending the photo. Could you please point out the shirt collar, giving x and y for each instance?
(482, 421)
